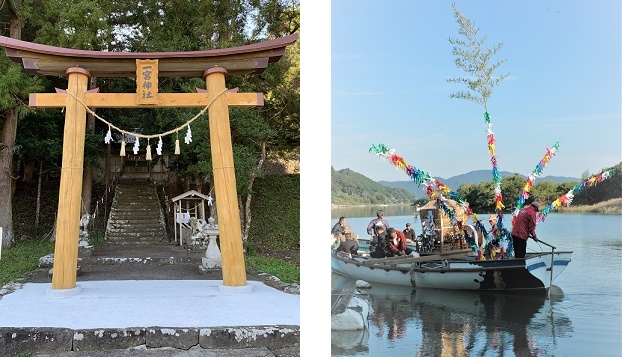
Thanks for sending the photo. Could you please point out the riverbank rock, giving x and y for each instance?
(354, 317)
(362, 284)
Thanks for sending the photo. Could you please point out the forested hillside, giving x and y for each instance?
(606, 190)
(351, 188)
(472, 177)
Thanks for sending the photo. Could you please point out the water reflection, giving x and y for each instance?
(346, 342)
(461, 323)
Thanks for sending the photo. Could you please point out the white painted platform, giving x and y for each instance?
(145, 303)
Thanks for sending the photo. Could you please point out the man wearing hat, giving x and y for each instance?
(523, 228)
(409, 233)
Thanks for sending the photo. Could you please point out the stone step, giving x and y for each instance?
(137, 203)
(138, 225)
(137, 241)
(48, 261)
(137, 215)
(122, 242)
(129, 223)
(127, 199)
(134, 235)
(136, 231)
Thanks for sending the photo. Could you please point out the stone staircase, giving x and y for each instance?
(136, 216)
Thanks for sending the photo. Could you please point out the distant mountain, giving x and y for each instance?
(351, 188)
(473, 177)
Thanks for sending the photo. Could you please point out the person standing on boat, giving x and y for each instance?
(409, 233)
(523, 228)
(397, 243)
(374, 223)
(338, 227)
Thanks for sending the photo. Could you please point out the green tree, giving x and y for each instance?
(15, 86)
(151, 25)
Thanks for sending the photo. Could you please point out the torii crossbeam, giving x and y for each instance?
(79, 66)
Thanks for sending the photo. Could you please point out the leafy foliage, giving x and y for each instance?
(481, 196)
(276, 213)
(473, 58)
(471, 177)
(147, 26)
(350, 188)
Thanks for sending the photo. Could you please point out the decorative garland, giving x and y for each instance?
(499, 206)
(566, 199)
(496, 177)
(434, 189)
(187, 140)
(537, 171)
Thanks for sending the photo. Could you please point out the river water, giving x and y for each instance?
(586, 320)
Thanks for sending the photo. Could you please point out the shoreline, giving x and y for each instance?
(609, 207)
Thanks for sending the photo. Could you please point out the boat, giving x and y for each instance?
(453, 260)
(461, 271)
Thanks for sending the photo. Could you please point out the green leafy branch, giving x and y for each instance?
(474, 59)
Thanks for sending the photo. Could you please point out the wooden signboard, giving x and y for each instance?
(146, 81)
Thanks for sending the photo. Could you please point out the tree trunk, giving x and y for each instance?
(199, 184)
(29, 171)
(7, 145)
(7, 148)
(87, 175)
(247, 221)
(39, 194)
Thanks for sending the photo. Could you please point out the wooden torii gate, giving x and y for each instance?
(80, 65)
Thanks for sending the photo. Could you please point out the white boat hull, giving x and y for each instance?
(464, 273)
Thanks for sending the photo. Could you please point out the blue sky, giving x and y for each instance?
(390, 63)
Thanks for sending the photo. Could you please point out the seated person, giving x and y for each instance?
(397, 243)
(378, 246)
(350, 245)
(338, 227)
(409, 233)
(346, 229)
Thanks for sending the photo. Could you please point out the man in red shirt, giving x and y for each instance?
(397, 243)
(524, 227)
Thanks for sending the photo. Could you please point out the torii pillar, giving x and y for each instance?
(232, 252)
(79, 66)
(70, 194)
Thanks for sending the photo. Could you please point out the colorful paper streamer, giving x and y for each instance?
(566, 199)
(537, 171)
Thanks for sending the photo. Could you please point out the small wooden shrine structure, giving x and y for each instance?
(444, 229)
(80, 65)
(188, 205)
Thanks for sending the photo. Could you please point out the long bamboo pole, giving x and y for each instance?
(66, 247)
(233, 267)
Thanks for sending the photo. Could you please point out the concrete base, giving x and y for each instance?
(244, 289)
(63, 293)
